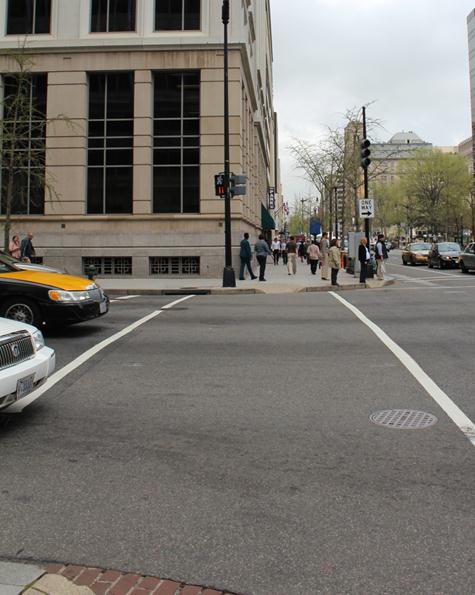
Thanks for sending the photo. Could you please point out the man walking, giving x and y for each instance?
(291, 256)
(245, 254)
(324, 251)
(380, 254)
(276, 250)
(262, 250)
(27, 250)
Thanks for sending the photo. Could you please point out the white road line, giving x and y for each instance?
(429, 271)
(18, 406)
(439, 396)
(168, 306)
(124, 297)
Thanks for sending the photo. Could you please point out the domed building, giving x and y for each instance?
(387, 156)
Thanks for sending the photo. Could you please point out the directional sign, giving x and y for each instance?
(367, 208)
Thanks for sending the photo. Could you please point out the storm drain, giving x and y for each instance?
(403, 419)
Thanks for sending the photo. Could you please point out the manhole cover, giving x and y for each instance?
(403, 419)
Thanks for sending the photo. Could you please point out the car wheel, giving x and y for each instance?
(404, 262)
(21, 310)
(463, 267)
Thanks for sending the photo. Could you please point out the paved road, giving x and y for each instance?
(227, 442)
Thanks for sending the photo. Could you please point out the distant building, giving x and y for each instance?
(465, 148)
(386, 157)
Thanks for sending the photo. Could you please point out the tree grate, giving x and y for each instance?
(403, 419)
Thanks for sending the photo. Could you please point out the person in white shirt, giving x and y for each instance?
(276, 248)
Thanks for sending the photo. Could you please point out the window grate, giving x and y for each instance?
(174, 265)
(108, 265)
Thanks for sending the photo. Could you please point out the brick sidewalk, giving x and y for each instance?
(113, 582)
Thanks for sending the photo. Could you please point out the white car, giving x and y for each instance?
(25, 361)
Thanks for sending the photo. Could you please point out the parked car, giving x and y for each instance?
(26, 266)
(467, 258)
(416, 253)
(38, 297)
(25, 361)
(444, 255)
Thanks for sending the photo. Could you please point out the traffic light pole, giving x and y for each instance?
(229, 278)
(365, 179)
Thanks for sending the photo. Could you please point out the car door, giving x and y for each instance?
(469, 257)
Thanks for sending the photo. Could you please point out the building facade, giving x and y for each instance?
(138, 86)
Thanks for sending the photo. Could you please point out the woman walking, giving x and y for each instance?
(313, 256)
(14, 247)
(364, 257)
(334, 260)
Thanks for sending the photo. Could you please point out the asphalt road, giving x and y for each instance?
(227, 442)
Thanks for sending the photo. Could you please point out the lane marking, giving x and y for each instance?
(429, 271)
(431, 287)
(124, 297)
(18, 406)
(440, 397)
(168, 306)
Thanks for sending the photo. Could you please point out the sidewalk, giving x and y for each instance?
(60, 579)
(278, 281)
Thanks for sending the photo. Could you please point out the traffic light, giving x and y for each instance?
(238, 185)
(219, 187)
(365, 153)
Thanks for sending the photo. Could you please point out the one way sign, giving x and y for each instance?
(367, 208)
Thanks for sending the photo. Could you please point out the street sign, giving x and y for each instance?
(271, 197)
(367, 208)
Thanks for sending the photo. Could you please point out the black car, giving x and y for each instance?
(38, 297)
(444, 255)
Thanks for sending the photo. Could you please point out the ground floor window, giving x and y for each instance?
(174, 265)
(108, 265)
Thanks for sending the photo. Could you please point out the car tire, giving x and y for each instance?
(22, 310)
(463, 268)
(404, 262)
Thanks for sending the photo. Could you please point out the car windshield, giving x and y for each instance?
(8, 262)
(421, 246)
(449, 247)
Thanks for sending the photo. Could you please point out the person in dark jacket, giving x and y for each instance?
(27, 249)
(364, 257)
(262, 250)
(380, 254)
(245, 254)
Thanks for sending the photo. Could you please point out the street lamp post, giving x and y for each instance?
(229, 278)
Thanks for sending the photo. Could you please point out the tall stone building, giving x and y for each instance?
(141, 83)
(471, 60)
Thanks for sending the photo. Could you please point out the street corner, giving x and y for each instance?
(70, 579)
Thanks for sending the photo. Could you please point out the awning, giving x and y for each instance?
(267, 221)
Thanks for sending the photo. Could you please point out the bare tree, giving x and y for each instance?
(22, 141)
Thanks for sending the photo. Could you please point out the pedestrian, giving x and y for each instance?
(262, 250)
(302, 250)
(27, 250)
(324, 251)
(334, 260)
(313, 256)
(380, 254)
(364, 257)
(291, 256)
(245, 254)
(14, 247)
(283, 251)
(276, 250)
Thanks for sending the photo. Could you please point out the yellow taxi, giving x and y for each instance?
(42, 297)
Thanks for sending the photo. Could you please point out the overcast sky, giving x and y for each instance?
(409, 57)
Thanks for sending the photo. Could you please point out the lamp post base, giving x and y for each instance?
(229, 278)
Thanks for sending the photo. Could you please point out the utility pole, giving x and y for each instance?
(365, 179)
(229, 278)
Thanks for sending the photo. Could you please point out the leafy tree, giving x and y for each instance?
(440, 185)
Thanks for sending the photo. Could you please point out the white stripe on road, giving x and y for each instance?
(429, 271)
(18, 406)
(439, 396)
(168, 306)
(124, 297)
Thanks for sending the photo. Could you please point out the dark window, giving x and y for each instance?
(112, 15)
(176, 155)
(110, 143)
(177, 15)
(24, 141)
(28, 16)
